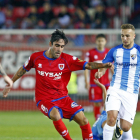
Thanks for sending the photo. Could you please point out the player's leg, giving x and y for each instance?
(127, 135)
(96, 109)
(95, 96)
(55, 114)
(59, 125)
(109, 127)
(112, 103)
(128, 111)
(84, 125)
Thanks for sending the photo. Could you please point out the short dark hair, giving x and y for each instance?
(128, 26)
(100, 35)
(57, 35)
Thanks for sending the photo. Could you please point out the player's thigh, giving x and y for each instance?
(95, 94)
(113, 101)
(80, 118)
(50, 110)
(128, 108)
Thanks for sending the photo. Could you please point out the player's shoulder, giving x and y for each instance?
(91, 51)
(137, 46)
(66, 56)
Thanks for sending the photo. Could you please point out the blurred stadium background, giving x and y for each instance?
(26, 26)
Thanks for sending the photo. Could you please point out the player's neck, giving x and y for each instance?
(100, 49)
(129, 46)
(48, 53)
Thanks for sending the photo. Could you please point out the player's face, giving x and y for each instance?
(57, 48)
(127, 36)
(100, 42)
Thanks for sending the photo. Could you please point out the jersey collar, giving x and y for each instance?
(48, 57)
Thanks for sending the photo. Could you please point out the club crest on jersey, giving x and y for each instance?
(61, 66)
(73, 104)
(133, 56)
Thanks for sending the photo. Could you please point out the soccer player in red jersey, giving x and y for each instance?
(53, 70)
(95, 92)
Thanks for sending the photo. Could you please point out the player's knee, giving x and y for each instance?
(97, 104)
(54, 114)
(84, 121)
(125, 128)
(111, 121)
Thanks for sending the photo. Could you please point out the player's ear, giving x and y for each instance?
(50, 44)
(134, 36)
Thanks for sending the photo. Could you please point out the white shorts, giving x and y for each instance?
(122, 101)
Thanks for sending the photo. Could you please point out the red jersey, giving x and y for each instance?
(94, 55)
(52, 75)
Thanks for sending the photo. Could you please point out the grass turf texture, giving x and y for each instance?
(35, 126)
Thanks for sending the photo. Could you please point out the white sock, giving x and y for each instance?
(108, 132)
(127, 135)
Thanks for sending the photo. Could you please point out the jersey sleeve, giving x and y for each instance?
(109, 57)
(77, 64)
(29, 63)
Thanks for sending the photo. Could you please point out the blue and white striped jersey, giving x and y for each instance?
(126, 67)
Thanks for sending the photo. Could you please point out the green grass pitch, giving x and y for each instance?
(35, 126)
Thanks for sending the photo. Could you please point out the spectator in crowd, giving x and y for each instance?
(81, 19)
(2, 18)
(64, 18)
(50, 21)
(9, 21)
(61, 2)
(32, 20)
(100, 19)
(28, 3)
(94, 3)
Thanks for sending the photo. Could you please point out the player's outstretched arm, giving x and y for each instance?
(2, 72)
(18, 74)
(86, 73)
(103, 89)
(94, 65)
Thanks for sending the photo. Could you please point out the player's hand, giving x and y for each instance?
(98, 83)
(8, 81)
(6, 91)
(8, 86)
(107, 65)
(98, 75)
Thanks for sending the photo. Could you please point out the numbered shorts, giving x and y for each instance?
(122, 101)
(96, 94)
(65, 105)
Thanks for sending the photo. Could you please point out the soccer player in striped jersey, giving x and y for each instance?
(98, 126)
(122, 95)
(53, 70)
